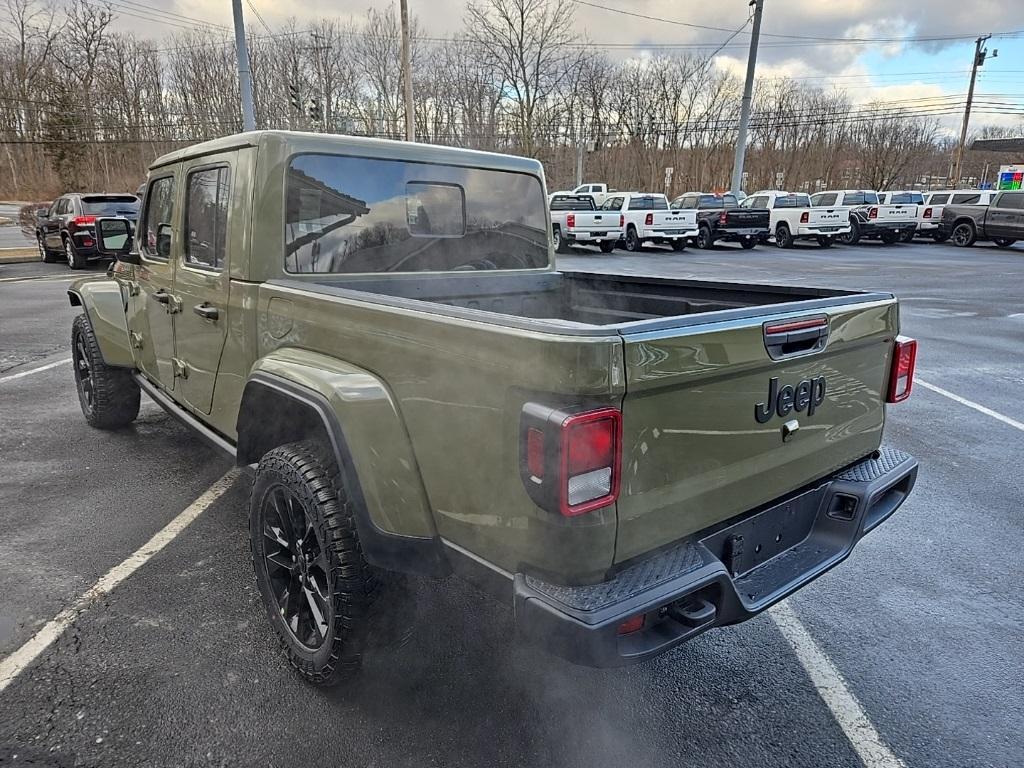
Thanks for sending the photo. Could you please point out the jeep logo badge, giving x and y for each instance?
(807, 395)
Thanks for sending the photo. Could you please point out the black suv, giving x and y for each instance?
(69, 228)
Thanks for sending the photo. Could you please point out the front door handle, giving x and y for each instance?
(206, 311)
(162, 296)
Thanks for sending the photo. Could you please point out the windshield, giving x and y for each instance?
(354, 214)
(110, 205)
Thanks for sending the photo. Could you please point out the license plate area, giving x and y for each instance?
(750, 543)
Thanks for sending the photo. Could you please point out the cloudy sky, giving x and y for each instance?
(928, 72)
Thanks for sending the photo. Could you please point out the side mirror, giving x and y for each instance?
(114, 238)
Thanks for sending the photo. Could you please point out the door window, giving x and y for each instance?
(206, 217)
(156, 240)
(1013, 200)
(938, 199)
(969, 198)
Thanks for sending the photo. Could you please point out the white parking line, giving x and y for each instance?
(971, 404)
(16, 663)
(830, 685)
(30, 371)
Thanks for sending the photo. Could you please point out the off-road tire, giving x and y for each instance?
(704, 238)
(853, 236)
(825, 241)
(74, 260)
(964, 235)
(110, 399)
(891, 238)
(607, 246)
(783, 237)
(45, 254)
(356, 593)
(1003, 242)
(633, 244)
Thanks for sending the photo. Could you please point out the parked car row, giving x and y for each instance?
(66, 230)
(634, 219)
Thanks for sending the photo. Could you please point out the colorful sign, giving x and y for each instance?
(1011, 177)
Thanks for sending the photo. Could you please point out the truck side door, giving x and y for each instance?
(201, 278)
(151, 306)
(51, 227)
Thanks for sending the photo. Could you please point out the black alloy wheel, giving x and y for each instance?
(964, 235)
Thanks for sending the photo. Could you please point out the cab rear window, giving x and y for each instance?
(356, 215)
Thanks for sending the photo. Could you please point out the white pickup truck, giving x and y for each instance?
(575, 219)
(647, 219)
(906, 197)
(869, 219)
(794, 218)
(936, 201)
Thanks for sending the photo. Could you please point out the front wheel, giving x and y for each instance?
(940, 237)
(316, 586)
(825, 241)
(964, 235)
(607, 246)
(1003, 242)
(109, 396)
(783, 237)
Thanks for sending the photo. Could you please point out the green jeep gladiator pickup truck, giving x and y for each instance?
(380, 330)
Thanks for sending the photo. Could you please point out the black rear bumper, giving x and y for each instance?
(874, 228)
(721, 576)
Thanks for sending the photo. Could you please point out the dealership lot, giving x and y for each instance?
(177, 665)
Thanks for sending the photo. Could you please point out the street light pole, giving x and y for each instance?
(244, 76)
(410, 116)
(748, 90)
(979, 59)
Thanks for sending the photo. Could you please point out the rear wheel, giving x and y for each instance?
(109, 396)
(964, 235)
(940, 237)
(747, 243)
(316, 586)
(607, 246)
(74, 260)
(704, 239)
(853, 236)
(825, 241)
(783, 237)
(633, 243)
(1003, 242)
(561, 246)
(678, 244)
(891, 238)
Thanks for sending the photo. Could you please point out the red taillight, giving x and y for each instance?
(570, 463)
(649, 219)
(631, 625)
(723, 217)
(79, 221)
(87, 242)
(805, 217)
(570, 220)
(873, 213)
(622, 220)
(591, 455)
(901, 377)
(927, 213)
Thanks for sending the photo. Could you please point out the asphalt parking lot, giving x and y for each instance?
(177, 665)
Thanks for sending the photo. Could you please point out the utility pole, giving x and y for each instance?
(980, 55)
(244, 77)
(748, 90)
(410, 116)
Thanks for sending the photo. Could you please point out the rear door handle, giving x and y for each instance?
(206, 311)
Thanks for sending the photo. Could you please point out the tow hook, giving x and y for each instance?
(693, 612)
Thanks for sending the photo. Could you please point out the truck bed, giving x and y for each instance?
(581, 303)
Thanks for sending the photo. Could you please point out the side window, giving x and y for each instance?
(1013, 200)
(967, 199)
(938, 199)
(206, 217)
(761, 201)
(156, 239)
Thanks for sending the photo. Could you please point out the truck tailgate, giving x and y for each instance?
(596, 220)
(897, 212)
(828, 217)
(674, 222)
(702, 444)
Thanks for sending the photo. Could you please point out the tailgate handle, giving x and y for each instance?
(788, 338)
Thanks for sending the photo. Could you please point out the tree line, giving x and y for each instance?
(83, 106)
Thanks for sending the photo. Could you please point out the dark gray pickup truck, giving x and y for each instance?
(1002, 222)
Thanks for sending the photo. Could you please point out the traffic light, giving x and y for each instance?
(295, 96)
